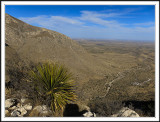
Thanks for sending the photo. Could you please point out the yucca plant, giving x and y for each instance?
(54, 81)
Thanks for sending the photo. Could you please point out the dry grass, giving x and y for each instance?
(135, 61)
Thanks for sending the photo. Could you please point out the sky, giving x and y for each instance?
(114, 22)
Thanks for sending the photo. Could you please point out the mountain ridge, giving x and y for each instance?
(39, 44)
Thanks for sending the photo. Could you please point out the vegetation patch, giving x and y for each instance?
(54, 84)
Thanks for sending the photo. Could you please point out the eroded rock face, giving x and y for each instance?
(126, 112)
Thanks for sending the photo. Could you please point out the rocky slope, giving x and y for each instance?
(94, 75)
(22, 108)
(39, 44)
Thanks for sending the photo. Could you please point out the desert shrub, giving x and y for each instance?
(18, 83)
(16, 73)
(143, 108)
(54, 84)
(104, 107)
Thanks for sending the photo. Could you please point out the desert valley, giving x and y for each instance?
(109, 74)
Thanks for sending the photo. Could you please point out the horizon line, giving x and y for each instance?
(98, 39)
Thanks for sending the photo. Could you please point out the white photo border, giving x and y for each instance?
(3, 3)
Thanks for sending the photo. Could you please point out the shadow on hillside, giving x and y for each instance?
(72, 110)
(147, 107)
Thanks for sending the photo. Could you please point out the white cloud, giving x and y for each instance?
(52, 20)
(98, 18)
(85, 14)
(93, 24)
(145, 24)
(65, 20)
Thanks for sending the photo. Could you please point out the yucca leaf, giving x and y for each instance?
(54, 81)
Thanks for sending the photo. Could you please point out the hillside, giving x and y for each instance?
(106, 73)
(39, 44)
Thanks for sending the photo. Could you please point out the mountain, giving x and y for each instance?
(39, 44)
(107, 74)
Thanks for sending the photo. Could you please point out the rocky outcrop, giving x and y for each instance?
(41, 111)
(89, 114)
(16, 108)
(126, 112)
(28, 107)
(6, 112)
(19, 108)
(41, 42)
(19, 112)
(10, 102)
(23, 107)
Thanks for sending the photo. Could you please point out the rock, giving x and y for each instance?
(94, 115)
(28, 107)
(15, 113)
(22, 110)
(89, 114)
(19, 105)
(23, 100)
(6, 112)
(83, 107)
(44, 107)
(10, 102)
(77, 110)
(12, 108)
(19, 112)
(126, 112)
(42, 111)
(38, 108)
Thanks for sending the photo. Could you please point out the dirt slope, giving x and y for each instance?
(39, 44)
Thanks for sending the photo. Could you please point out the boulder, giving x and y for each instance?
(13, 108)
(19, 112)
(18, 108)
(22, 110)
(28, 107)
(23, 100)
(19, 105)
(44, 108)
(126, 112)
(15, 113)
(42, 111)
(6, 112)
(89, 114)
(10, 102)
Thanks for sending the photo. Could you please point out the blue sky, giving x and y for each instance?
(117, 22)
